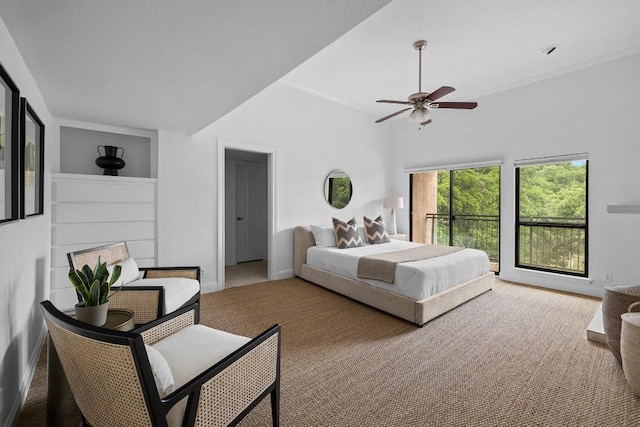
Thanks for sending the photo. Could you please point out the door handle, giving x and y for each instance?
(239, 218)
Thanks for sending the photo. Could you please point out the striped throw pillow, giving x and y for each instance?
(346, 234)
(375, 231)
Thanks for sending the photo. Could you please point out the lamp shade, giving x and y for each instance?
(393, 203)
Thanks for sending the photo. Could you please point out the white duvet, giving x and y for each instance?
(416, 279)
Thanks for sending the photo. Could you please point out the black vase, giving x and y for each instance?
(110, 161)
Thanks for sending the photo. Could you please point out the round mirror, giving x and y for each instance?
(338, 189)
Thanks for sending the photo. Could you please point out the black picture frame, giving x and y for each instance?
(9, 150)
(31, 162)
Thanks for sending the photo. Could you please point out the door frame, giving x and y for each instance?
(223, 145)
(451, 169)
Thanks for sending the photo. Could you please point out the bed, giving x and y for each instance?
(406, 299)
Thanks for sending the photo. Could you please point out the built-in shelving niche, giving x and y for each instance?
(79, 150)
(90, 209)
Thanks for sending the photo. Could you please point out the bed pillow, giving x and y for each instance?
(375, 231)
(346, 234)
(323, 235)
(362, 234)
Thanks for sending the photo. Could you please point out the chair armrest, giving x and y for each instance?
(146, 302)
(162, 327)
(255, 365)
(164, 272)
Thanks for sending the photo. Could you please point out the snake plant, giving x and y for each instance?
(94, 286)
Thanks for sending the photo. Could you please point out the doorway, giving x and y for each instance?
(246, 213)
(458, 207)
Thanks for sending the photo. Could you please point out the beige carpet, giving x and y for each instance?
(514, 356)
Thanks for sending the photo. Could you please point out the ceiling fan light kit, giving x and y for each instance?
(420, 114)
(422, 102)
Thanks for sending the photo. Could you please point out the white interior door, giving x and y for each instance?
(249, 233)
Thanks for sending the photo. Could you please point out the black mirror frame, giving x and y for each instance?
(26, 109)
(11, 206)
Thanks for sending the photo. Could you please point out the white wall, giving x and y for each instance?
(593, 110)
(311, 136)
(24, 262)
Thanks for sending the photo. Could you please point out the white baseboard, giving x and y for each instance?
(206, 288)
(12, 419)
(284, 274)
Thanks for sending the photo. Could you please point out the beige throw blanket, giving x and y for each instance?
(383, 266)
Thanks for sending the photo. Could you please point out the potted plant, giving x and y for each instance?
(94, 289)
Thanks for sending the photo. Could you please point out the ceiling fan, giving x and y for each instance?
(422, 102)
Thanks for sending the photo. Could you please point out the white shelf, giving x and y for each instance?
(623, 209)
(595, 330)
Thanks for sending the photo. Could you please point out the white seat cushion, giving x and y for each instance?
(161, 371)
(191, 351)
(177, 290)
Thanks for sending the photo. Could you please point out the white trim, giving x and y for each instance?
(551, 159)
(26, 380)
(77, 177)
(470, 165)
(324, 95)
(151, 134)
(223, 144)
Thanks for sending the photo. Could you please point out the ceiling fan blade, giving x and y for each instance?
(392, 115)
(425, 122)
(458, 105)
(439, 93)
(389, 101)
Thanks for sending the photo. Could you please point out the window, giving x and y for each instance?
(551, 214)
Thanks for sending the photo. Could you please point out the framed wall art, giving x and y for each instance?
(9, 134)
(31, 162)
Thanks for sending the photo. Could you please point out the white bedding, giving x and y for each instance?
(416, 279)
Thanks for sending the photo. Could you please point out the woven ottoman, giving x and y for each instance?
(630, 350)
(615, 302)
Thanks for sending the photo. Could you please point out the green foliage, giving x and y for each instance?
(554, 191)
(94, 286)
(548, 193)
(475, 192)
(340, 192)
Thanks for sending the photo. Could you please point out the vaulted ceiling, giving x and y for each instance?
(167, 64)
(164, 64)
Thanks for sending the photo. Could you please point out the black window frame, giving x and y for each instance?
(519, 223)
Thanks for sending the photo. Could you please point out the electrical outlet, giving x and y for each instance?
(608, 277)
(201, 272)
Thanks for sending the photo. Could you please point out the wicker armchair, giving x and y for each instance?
(115, 380)
(160, 291)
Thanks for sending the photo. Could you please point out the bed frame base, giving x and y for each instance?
(418, 312)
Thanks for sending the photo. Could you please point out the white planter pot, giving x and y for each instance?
(94, 315)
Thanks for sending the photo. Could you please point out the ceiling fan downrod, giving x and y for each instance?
(419, 46)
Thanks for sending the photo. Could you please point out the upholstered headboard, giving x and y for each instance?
(302, 240)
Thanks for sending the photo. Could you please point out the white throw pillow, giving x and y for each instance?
(323, 235)
(161, 371)
(129, 272)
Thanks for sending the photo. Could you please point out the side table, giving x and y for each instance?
(61, 407)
